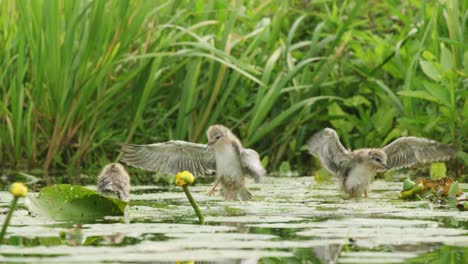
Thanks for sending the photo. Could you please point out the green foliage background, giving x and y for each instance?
(77, 77)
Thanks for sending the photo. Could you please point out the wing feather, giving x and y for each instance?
(170, 157)
(327, 146)
(407, 151)
(250, 161)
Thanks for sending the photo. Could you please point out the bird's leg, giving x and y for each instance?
(366, 190)
(230, 194)
(213, 189)
(233, 195)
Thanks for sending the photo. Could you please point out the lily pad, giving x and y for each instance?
(69, 202)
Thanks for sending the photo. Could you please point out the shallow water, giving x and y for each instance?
(289, 220)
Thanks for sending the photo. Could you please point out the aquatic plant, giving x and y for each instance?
(18, 190)
(184, 179)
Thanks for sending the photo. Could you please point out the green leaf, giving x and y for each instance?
(453, 191)
(384, 116)
(335, 110)
(392, 135)
(446, 59)
(356, 101)
(430, 70)
(438, 92)
(438, 170)
(427, 55)
(452, 201)
(463, 206)
(69, 202)
(419, 94)
(407, 194)
(284, 167)
(265, 161)
(465, 108)
(407, 184)
(465, 61)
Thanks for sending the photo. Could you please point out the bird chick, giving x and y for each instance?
(114, 180)
(355, 169)
(223, 155)
(233, 162)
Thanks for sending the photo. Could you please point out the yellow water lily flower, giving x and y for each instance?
(18, 189)
(183, 178)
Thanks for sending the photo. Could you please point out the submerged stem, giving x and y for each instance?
(201, 218)
(8, 217)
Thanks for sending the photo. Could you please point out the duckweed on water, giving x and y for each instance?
(272, 229)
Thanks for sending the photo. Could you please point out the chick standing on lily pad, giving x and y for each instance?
(114, 180)
(224, 154)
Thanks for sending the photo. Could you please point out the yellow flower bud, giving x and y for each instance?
(184, 178)
(18, 189)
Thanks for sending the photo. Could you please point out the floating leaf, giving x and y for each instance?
(463, 206)
(454, 190)
(408, 184)
(431, 189)
(413, 192)
(69, 202)
(438, 170)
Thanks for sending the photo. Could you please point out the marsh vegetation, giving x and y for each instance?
(77, 77)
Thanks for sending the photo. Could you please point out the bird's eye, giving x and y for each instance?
(377, 159)
(218, 137)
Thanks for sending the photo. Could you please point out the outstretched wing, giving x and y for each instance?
(170, 157)
(250, 161)
(327, 146)
(407, 151)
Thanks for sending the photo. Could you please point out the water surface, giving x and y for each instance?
(289, 220)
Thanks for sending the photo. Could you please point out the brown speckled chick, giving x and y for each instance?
(114, 180)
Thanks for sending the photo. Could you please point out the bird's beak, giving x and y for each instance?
(210, 143)
(385, 166)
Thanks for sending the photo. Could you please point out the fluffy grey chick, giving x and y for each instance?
(355, 169)
(114, 180)
(223, 155)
